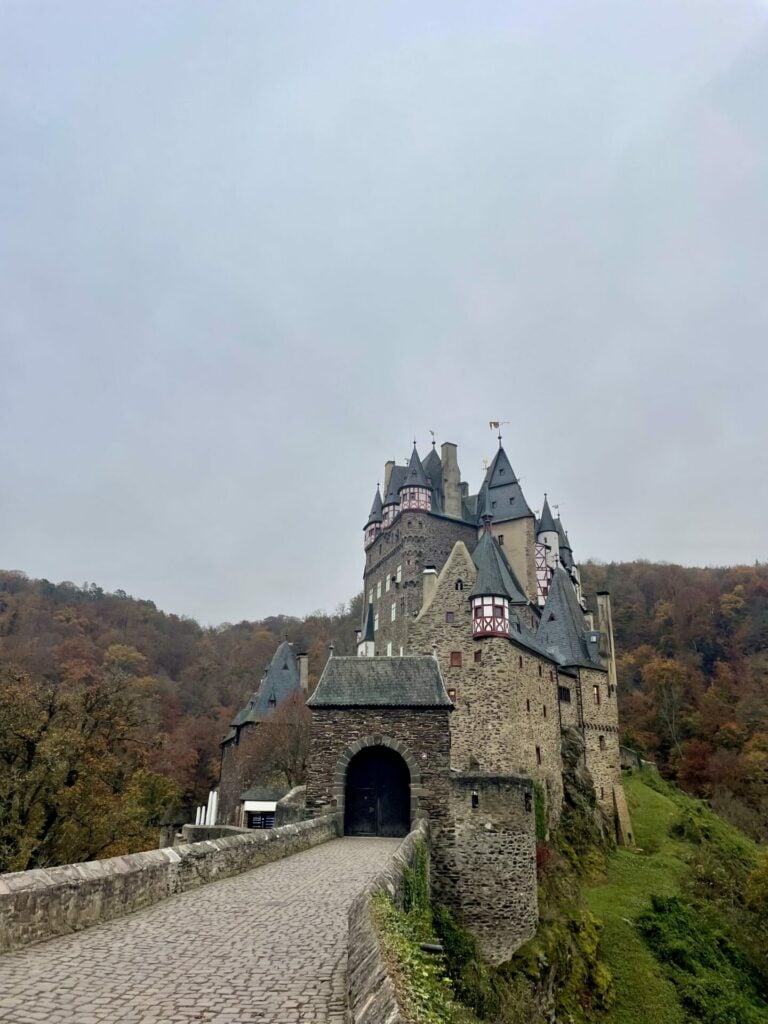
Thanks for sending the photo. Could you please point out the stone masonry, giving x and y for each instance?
(265, 947)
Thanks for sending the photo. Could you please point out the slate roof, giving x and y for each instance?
(368, 633)
(410, 682)
(414, 473)
(494, 573)
(507, 501)
(280, 680)
(396, 478)
(546, 523)
(563, 628)
(433, 469)
(566, 553)
(374, 516)
(266, 793)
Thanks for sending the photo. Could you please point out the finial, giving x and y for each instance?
(330, 649)
(433, 438)
(499, 437)
(414, 442)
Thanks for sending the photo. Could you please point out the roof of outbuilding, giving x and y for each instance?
(408, 682)
(494, 573)
(279, 681)
(563, 628)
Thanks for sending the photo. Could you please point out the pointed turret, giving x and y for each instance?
(495, 589)
(565, 551)
(546, 534)
(365, 646)
(391, 504)
(546, 521)
(375, 519)
(504, 496)
(415, 490)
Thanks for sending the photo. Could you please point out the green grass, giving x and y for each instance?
(677, 838)
(655, 866)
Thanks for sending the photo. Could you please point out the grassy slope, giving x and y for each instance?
(657, 866)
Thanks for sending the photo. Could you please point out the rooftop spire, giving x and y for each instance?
(375, 514)
(414, 474)
(546, 522)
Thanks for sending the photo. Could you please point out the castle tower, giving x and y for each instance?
(546, 533)
(374, 525)
(513, 521)
(494, 588)
(415, 492)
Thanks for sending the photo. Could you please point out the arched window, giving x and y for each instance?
(459, 584)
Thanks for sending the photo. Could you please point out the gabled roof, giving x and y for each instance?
(414, 473)
(396, 477)
(504, 496)
(266, 793)
(279, 681)
(563, 628)
(546, 523)
(374, 516)
(494, 574)
(411, 682)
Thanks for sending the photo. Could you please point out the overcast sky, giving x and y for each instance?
(249, 251)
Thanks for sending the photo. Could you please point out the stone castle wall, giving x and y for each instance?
(485, 861)
(518, 541)
(413, 541)
(507, 717)
(601, 738)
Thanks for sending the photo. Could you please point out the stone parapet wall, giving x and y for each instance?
(39, 904)
(202, 833)
(370, 991)
(485, 861)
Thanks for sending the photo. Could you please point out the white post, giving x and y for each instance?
(215, 808)
(197, 815)
(207, 820)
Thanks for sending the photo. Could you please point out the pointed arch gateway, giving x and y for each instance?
(377, 779)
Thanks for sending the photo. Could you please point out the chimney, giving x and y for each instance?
(429, 585)
(303, 661)
(451, 480)
(388, 467)
(605, 625)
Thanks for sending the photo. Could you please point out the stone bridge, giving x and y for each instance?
(265, 946)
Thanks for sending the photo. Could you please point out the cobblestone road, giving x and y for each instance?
(264, 947)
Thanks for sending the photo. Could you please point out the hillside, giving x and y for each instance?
(692, 648)
(139, 699)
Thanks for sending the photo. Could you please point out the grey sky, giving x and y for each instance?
(249, 250)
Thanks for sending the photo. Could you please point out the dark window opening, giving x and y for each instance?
(601, 741)
(544, 709)
(540, 671)
(455, 659)
(520, 661)
(459, 584)
(596, 694)
(538, 755)
(449, 616)
(564, 694)
(500, 539)
(528, 706)
(478, 655)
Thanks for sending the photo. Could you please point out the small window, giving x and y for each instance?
(540, 671)
(501, 471)
(528, 706)
(376, 620)
(564, 695)
(602, 793)
(512, 499)
(538, 755)
(389, 649)
(272, 700)
(478, 611)
(519, 661)
(478, 655)
(386, 583)
(459, 584)
(500, 539)
(449, 616)
(378, 589)
(544, 710)
(399, 574)
(493, 504)
(393, 611)
(455, 659)
(452, 693)
(370, 596)
(401, 650)
(498, 611)
(601, 741)
(596, 694)
(551, 676)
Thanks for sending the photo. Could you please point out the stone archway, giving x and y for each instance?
(377, 784)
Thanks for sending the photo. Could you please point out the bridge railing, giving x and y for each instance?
(370, 990)
(42, 903)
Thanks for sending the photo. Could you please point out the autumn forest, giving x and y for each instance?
(111, 711)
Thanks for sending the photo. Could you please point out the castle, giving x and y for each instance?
(476, 659)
